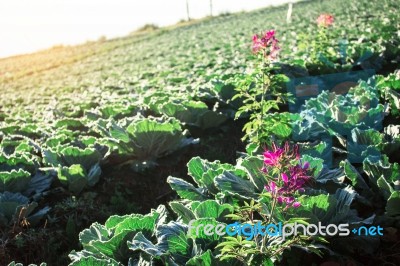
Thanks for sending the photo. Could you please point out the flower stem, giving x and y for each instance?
(269, 221)
(264, 91)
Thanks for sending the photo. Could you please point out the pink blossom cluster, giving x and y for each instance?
(267, 44)
(325, 20)
(292, 174)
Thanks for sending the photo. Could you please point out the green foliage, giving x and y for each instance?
(20, 264)
(260, 92)
(75, 111)
(76, 168)
(14, 181)
(220, 198)
(320, 50)
(191, 113)
(14, 207)
(330, 209)
(389, 88)
(144, 140)
(108, 242)
(332, 114)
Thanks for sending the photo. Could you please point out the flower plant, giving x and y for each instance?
(260, 89)
(287, 174)
(325, 20)
(317, 47)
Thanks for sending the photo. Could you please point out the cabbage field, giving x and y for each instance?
(117, 152)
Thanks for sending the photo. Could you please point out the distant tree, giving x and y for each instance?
(211, 8)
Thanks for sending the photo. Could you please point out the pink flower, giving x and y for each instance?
(257, 44)
(270, 34)
(325, 20)
(296, 204)
(285, 178)
(274, 52)
(264, 170)
(255, 38)
(289, 174)
(272, 158)
(268, 44)
(271, 187)
(288, 201)
(280, 199)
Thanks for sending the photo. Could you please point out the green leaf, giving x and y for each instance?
(140, 242)
(14, 205)
(392, 139)
(95, 232)
(17, 162)
(344, 198)
(39, 183)
(212, 209)
(183, 212)
(112, 242)
(204, 172)
(261, 260)
(73, 155)
(393, 204)
(204, 235)
(119, 133)
(14, 181)
(185, 190)
(316, 164)
(385, 188)
(86, 258)
(205, 259)
(113, 247)
(364, 143)
(70, 123)
(234, 185)
(351, 172)
(172, 239)
(153, 139)
(211, 119)
(318, 208)
(114, 220)
(252, 165)
(20, 264)
(330, 175)
(94, 175)
(145, 224)
(193, 113)
(92, 261)
(73, 176)
(376, 169)
(9, 202)
(196, 168)
(330, 208)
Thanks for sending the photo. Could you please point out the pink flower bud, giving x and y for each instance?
(325, 20)
(285, 178)
(296, 204)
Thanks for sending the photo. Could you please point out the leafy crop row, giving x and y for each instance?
(142, 101)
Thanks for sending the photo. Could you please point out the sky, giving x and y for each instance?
(30, 25)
